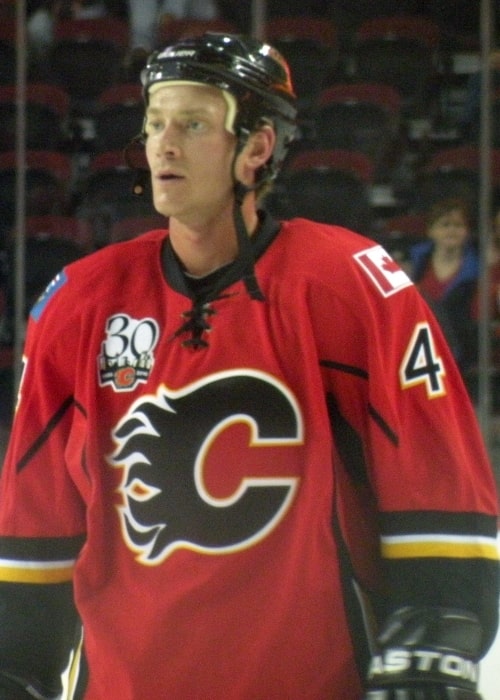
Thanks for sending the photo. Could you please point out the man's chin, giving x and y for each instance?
(164, 208)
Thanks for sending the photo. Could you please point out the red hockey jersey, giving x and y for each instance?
(227, 482)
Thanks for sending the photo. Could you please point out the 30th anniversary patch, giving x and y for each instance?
(127, 357)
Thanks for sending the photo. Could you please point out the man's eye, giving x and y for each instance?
(153, 127)
(195, 125)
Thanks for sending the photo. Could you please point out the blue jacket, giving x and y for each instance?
(453, 311)
(421, 252)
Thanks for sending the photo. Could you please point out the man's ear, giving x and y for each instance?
(256, 152)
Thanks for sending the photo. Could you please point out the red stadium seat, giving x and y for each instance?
(87, 55)
(46, 109)
(119, 116)
(132, 226)
(334, 158)
(416, 27)
(321, 30)
(62, 227)
(310, 46)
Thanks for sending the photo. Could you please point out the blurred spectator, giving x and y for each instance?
(40, 18)
(445, 268)
(144, 16)
(41, 15)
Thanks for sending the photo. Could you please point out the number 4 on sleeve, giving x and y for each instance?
(421, 363)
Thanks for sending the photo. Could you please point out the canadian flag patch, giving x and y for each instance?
(383, 271)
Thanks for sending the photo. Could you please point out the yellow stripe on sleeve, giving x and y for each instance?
(36, 572)
(445, 546)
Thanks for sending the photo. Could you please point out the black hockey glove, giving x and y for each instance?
(426, 654)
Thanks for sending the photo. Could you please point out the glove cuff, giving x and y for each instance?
(427, 646)
(417, 665)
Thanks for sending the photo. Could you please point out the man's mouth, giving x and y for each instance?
(167, 176)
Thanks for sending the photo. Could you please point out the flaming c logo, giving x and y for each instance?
(162, 447)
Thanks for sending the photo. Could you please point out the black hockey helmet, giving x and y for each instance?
(253, 72)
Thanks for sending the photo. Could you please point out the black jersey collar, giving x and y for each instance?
(210, 287)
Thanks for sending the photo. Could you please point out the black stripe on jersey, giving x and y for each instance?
(347, 442)
(44, 435)
(403, 523)
(359, 632)
(374, 414)
(348, 369)
(388, 432)
(40, 548)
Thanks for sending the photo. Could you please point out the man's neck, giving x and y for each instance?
(203, 250)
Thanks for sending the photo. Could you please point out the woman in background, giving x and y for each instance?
(445, 268)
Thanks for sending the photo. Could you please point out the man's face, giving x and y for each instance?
(190, 152)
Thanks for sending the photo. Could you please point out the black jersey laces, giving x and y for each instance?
(196, 324)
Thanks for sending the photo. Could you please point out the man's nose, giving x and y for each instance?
(169, 141)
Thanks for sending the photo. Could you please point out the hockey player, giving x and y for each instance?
(242, 455)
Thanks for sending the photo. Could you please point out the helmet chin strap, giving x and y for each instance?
(245, 249)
